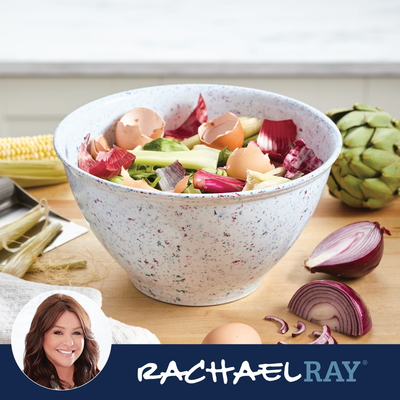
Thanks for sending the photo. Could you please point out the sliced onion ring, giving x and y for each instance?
(323, 338)
(301, 327)
(331, 340)
(350, 252)
(332, 303)
(284, 325)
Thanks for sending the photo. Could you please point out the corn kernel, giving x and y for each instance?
(27, 148)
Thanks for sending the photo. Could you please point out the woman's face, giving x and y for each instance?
(64, 342)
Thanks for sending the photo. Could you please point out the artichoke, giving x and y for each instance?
(367, 172)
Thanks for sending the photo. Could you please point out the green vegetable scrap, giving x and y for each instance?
(163, 144)
(367, 172)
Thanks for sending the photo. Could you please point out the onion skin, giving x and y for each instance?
(351, 316)
(354, 268)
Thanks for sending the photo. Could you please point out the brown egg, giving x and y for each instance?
(138, 127)
(244, 158)
(233, 333)
(223, 131)
(98, 144)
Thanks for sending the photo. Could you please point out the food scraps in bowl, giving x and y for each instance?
(225, 154)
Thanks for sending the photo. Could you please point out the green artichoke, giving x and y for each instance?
(367, 172)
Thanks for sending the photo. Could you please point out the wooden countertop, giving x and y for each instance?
(174, 324)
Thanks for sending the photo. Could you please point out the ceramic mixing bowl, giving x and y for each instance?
(192, 249)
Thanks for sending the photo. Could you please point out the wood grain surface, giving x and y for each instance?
(174, 324)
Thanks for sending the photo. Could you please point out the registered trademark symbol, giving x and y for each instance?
(365, 362)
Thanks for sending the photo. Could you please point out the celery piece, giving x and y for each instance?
(191, 141)
(189, 159)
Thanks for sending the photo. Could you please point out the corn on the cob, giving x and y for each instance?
(27, 148)
(31, 161)
(20, 261)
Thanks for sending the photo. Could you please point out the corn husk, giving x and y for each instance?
(31, 173)
(41, 266)
(19, 263)
(14, 230)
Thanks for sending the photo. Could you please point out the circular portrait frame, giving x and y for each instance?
(99, 325)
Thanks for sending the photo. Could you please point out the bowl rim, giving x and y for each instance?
(274, 190)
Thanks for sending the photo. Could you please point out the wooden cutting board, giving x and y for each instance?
(175, 324)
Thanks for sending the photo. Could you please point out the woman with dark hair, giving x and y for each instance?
(60, 350)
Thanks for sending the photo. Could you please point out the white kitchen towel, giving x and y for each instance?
(16, 292)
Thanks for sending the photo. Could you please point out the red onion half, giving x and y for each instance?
(350, 252)
(333, 304)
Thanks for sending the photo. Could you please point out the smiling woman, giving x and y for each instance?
(60, 349)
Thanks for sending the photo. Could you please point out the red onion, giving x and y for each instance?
(331, 340)
(350, 252)
(214, 183)
(301, 326)
(284, 325)
(334, 304)
(323, 338)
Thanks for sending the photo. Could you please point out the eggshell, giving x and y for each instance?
(138, 127)
(223, 131)
(98, 144)
(244, 158)
(233, 333)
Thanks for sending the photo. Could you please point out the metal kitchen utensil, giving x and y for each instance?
(15, 202)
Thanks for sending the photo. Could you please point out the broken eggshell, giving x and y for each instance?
(223, 131)
(98, 144)
(138, 127)
(244, 158)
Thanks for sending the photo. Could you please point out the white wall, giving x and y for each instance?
(35, 105)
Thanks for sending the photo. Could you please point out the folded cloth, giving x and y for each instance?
(16, 292)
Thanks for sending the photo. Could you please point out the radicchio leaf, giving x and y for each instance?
(276, 138)
(214, 183)
(300, 159)
(190, 126)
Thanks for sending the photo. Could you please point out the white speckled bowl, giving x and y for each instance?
(196, 249)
